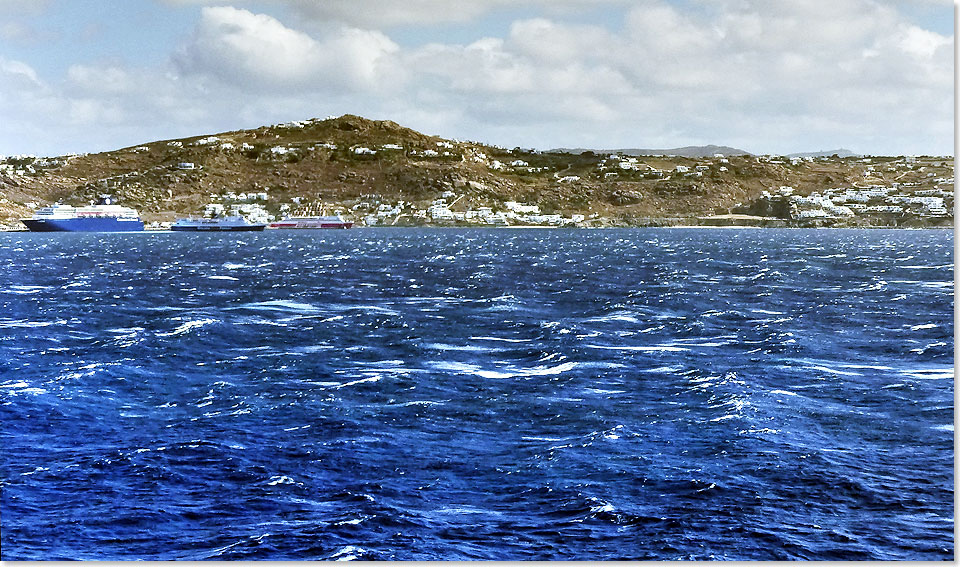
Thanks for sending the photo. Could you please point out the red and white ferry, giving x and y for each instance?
(335, 221)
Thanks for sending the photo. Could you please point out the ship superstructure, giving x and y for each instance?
(102, 217)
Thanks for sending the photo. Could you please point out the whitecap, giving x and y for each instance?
(279, 305)
(673, 369)
(725, 417)
(833, 371)
(280, 479)
(355, 382)
(23, 323)
(231, 278)
(26, 289)
(937, 285)
(926, 326)
(465, 348)
(929, 373)
(602, 391)
(347, 553)
(499, 339)
(946, 427)
(761, 430)
(784, 392)
(187, 327)
(660, 348)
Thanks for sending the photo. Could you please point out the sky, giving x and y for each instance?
(873, 76)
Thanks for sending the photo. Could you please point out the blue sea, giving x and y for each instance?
(421, 394)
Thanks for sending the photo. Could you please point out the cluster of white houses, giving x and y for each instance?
(440, 212)
(871, 200)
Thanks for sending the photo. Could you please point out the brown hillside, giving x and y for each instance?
(323, 161)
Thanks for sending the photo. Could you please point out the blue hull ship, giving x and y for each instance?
(102, 217)
(94, 224)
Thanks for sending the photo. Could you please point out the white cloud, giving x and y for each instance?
(257, 52)
(768, 76)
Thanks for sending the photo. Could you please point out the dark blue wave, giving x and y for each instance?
(478, 394)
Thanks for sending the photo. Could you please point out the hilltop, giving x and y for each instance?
(685, 151)
(839, 152)
(358, 166)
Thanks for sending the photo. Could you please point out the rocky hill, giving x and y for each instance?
(352, 164)
(685, 151)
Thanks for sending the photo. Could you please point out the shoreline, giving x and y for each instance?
(4, 229)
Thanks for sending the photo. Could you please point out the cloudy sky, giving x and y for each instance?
(765, 76)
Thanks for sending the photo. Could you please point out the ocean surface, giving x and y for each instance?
(478, 394)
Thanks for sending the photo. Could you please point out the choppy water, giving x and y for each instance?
(478, 394)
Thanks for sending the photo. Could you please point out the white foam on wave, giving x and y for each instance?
(465, 348)
(231, 278)
(766, 430)
(25, 289)
(23, 323)
(311, 349)
(725, 417)
(550, 439)
(370, 308)
(866, 366)
(453, 366)
(621, 317)
(347, 553)
(929, 373)
(945, 427)
(500, 339)
(279, 305)
(829, 370)
(658, 348)
(661, 369)
(704, 344)
(19, 388)
(603, 365)
(502, 373)
(187, 327)
(925, 326)
(418, 403)
(602, 391)
(784, 392)
(355, 382)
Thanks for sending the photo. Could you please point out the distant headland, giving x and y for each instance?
(378, 173)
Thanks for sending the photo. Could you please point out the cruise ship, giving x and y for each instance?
(102, 217)
(335, 221)
(220, 224)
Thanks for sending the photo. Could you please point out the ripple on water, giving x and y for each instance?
(653, 394)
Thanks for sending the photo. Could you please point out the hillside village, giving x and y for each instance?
(377, 173)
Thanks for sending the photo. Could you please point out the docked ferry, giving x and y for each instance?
(220, 224)
(335, 221)
(102, 217)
